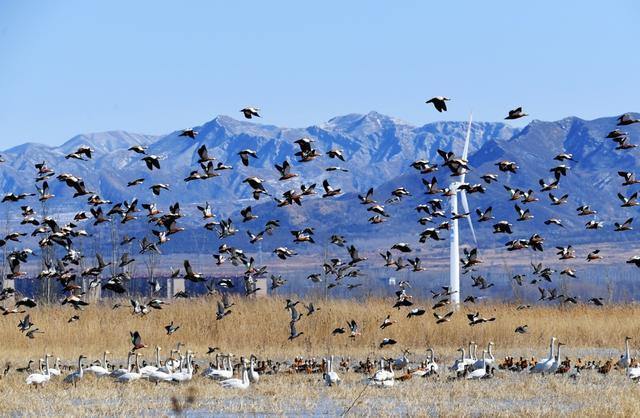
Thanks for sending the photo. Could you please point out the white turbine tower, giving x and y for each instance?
(454, 268)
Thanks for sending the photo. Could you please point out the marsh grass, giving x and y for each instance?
(261, 327)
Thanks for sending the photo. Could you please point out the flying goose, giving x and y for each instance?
(634, 260)
(402, 247)
(416, 312)
(44, 192)
(367, 199)
(250, 112)
(387, 322)
(335, 153)
(440, 319)
(245, 154)
(488, 178)
(528, 197)
(189, 132)
(424, 166)
(285, 171)
(514, 194)
(521, 329)
(523, 215)
(566, 253)
(629, 178)
(439, 103)
(387, 341)
(516, 113)
(563, 157)
(171, 328)
(284, 253)
(556, 201)
(353, 327)
(138, 149)
(585, 210)
(554, 221)
(627, 119)
(156, 188)
(328, 190)
(594, 255)
(80, 153)
(502, 227)
(293, 332)
(560, 170)
(136, 340)
(247, 214)
(629, 201)
(338, 240)
(625, 226)
(475, 319)
(548, 187)
(190, 274)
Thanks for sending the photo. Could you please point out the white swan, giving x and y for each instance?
(119, 372)
(330, 377)
(55, 370)
(149, 368)
(39, 379)
(184, 375)
(480, 372)
(134, 374)
(76, 375)
(633, 373)
(432, 366)
(383, 377)
(170, 365)
(101, 369)
(159, 376)
(625, 359)
(226, 372)
(557, 361)
(211, 367)
(242, 383)
(460, 364)
(545, 364)
(401, 362)
(254, 376)
(490, 360)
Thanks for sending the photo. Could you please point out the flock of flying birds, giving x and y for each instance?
(55, 238)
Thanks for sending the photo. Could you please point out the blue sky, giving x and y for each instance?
(152, 67)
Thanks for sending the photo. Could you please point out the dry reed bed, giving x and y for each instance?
(262, 327)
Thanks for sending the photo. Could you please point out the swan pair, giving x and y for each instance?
(242, 383)
(330, 377)
(220, 372)
(39, 379)
(101, 369)
(551, 363)
(383, 377)
(484, 371)
(489, 360)
(186, 373)
(461, 364)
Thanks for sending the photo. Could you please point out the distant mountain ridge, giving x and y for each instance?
(375, 147)
(378, 151)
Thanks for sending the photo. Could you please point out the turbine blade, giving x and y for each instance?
(465, 207)
(465, 150)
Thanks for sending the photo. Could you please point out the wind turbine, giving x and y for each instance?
(454, 260)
